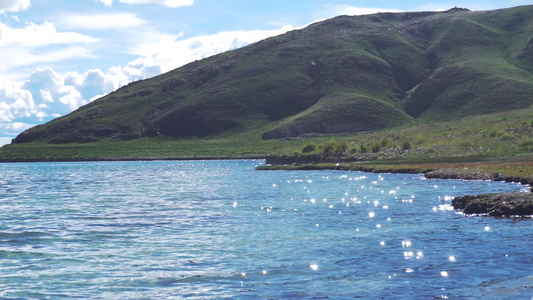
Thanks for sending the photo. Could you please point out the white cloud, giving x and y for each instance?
(102, 21)
(167, 3)
(26, 56)
(34, 35)
(34, 43)
(5, 141)
(14, 5)
(106, 2)
(5, 112)
(71, 97)
(14, 102)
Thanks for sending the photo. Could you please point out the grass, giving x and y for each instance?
(503, 136)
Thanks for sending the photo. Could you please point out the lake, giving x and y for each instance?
(220, 229)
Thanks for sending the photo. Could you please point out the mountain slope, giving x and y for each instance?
(346, 74)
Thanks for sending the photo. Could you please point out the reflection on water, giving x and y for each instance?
(222, 230)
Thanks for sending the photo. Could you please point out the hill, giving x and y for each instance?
(346, 74)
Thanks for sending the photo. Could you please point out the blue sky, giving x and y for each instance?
(56, 55)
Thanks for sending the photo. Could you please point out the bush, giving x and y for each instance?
(309, 147)
(341, 147)
(406, 145)
(385, 142)
(375, 146)
(329, 147)
(363, 148)
(353, 150)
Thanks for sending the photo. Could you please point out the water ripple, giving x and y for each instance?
(219, 229)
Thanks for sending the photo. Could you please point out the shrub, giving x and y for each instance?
(375, 146)
(406, 145)
(309, 147)
(341, 147)
(329, 147)
(384, 142)
(363, 148)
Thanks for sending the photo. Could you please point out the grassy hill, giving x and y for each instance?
(343, 75)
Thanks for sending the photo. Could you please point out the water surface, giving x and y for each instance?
(219, 229)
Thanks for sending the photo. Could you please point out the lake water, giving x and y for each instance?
(220, 229)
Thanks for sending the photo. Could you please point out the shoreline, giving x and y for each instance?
(494, 205)
(195, 158)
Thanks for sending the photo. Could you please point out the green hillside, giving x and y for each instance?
(342, 75)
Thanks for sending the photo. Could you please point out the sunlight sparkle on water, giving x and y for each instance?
(85, 220)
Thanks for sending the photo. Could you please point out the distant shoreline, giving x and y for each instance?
(197, 158)
(495, 205)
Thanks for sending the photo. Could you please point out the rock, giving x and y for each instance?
(512, 204)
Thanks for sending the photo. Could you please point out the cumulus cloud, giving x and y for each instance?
(15, 102)
(102, 21)
(167, 3)
(14, 5)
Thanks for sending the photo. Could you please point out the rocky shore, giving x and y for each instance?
(496, 205)
(458, 174)
(513, 204)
